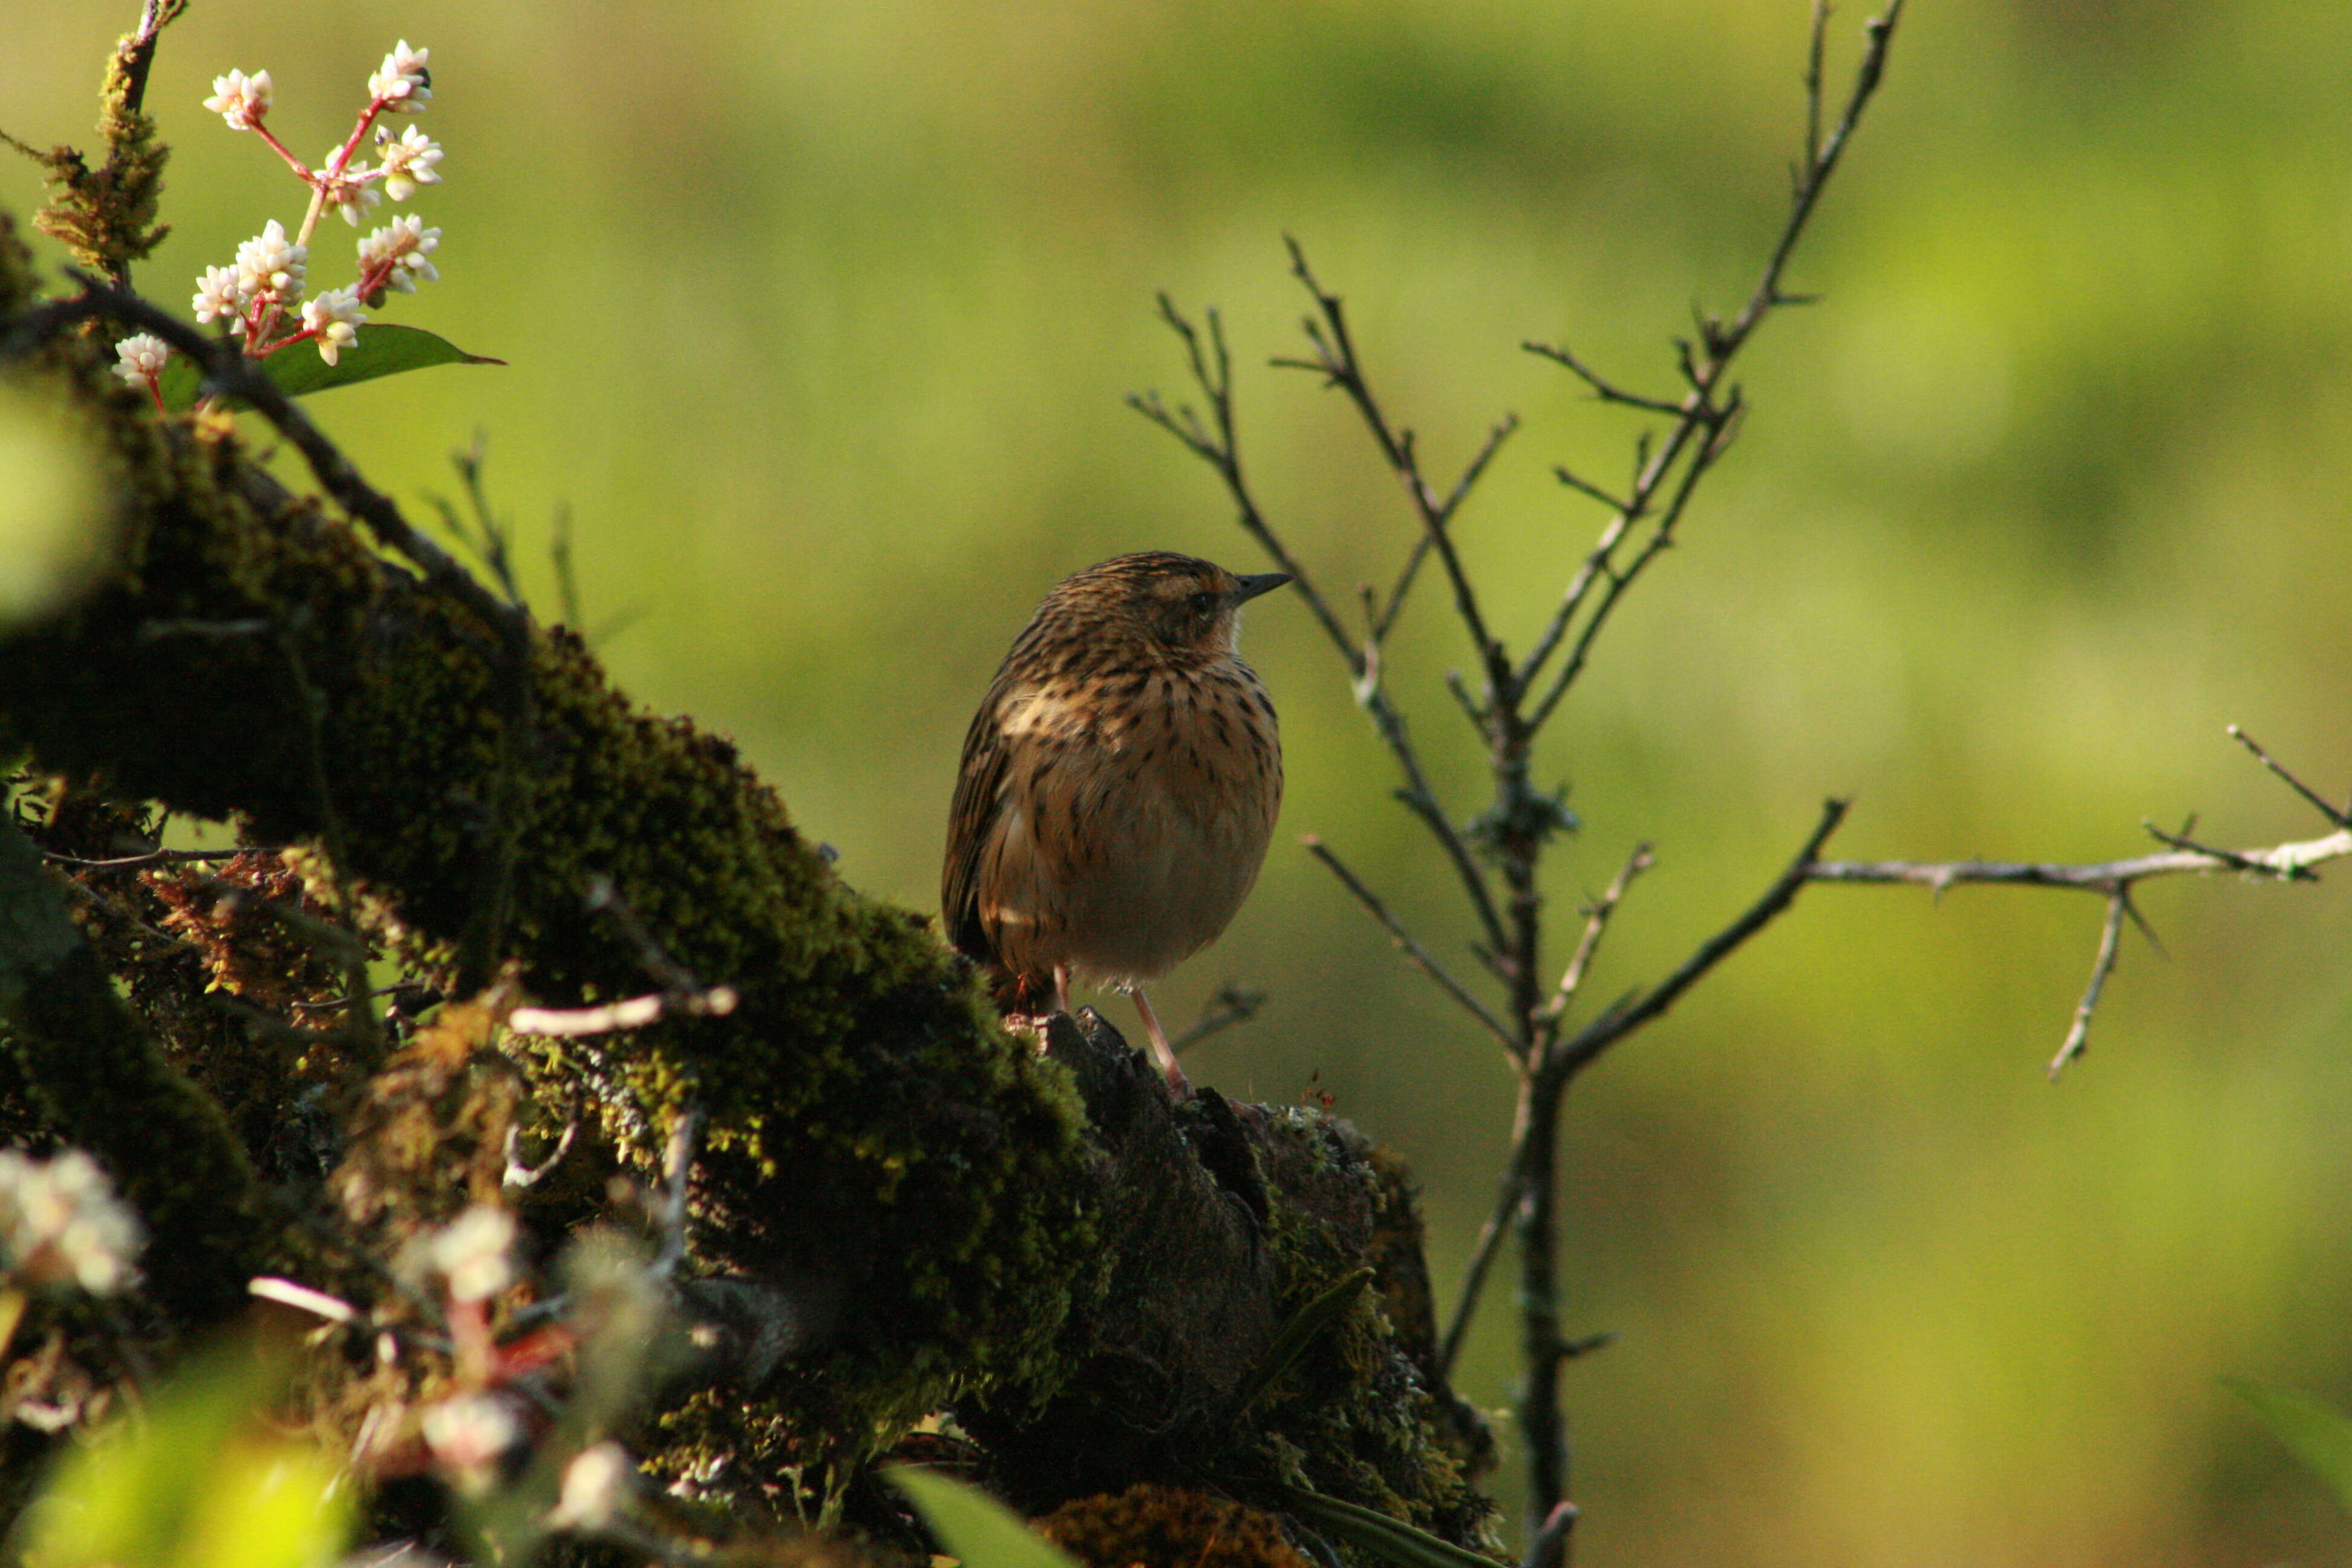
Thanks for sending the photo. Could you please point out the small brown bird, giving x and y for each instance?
(1119, 784)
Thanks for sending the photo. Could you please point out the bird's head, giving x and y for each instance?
(1177, 600)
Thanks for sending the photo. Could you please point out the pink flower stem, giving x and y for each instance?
(292, 162)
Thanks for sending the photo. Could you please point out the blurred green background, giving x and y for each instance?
(819, 316)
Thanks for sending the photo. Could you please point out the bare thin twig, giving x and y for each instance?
(150, 859)
(522, 1173)
(677, 1172)
(1549, 1547)
(2341, 817)
(1596, 921)
(1702, 423)
(2291, 862)
(1212, 369)
(1482, 1258)
(1415, 954)
(573, 1023)
(1471, 473)
(2286, 862)
(2111, 936)
(1337, 362)
(1580, 1050)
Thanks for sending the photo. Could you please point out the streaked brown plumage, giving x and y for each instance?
(1119, 784)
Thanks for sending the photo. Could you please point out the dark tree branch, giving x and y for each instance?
(1471, 473)
(1212, 373)
(1573, 1055)
(1337, 362)
(228, 371)
(1700, 424)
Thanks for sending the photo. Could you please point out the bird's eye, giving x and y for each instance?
(1203, 600)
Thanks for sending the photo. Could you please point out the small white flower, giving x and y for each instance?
(271, 264)
(139, 358)
(408, 162)
(397, 252)
(350, 193)
(241, 99)
(471, 1431)
(597, 1485)
(335, 316)
(60, 1220)
(471, 1251)
(219, 293)
(402, 84)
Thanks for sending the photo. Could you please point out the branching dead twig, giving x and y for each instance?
(1212, 373)
(1415, 954)
(636, 1013)
(2114, 879)
(1496, 856)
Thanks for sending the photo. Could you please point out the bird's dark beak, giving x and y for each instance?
(1264, 582)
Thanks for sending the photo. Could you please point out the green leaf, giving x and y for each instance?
(981, 1532)
(203, 1483)
(1389, 1539)
(1299, 1332)
(2314, 1430)
(383, 348)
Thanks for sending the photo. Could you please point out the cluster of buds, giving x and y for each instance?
(60, 1223)
(260, 298)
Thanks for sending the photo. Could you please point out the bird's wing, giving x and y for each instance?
(972, 822)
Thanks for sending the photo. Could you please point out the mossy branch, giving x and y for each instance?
(109, 1088)
(106, 216)
(938, 1213)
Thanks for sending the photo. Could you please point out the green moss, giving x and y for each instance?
(870, 1129)
(1357, 1416)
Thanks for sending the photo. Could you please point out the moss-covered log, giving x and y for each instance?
(896, 1205)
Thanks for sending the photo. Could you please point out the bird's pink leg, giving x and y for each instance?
(1061, 988)
(1159, 1046)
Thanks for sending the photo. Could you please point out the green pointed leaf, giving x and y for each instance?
(2314, 1430)
(1389, 1539)
(1299, 1332)
(383, 348)
(981, 1532)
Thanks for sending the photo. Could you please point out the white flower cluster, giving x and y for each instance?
(59, 1221)
(139, 358)
(334, 317)
(218, 295)
(397, 255)
(271, 269)
(241, 99)
(349, 193)
(402, 84)
(473, 1251)
(407, 163)
(255, 297)
(271, 264)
